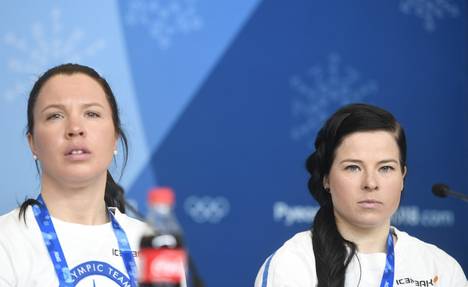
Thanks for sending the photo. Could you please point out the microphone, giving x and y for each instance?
(443, 190)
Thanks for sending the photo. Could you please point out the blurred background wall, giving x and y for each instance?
(221, 100)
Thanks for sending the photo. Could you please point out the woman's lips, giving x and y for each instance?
(370, 203)
(77, 154)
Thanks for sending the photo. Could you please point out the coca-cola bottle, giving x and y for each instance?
(163, 258)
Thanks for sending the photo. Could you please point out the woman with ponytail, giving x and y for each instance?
(357, 175)
(75, 233)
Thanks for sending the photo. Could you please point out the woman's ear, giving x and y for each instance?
(325, 182)
(31, 143)
(403, 181)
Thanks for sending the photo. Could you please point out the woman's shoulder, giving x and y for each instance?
(16, 229)
(410, 245)
(132, 226)
(128, 221)
(296, 248)
(13, 220)
(7, 217)
(290, 264)
(300, 242)
(426, 260)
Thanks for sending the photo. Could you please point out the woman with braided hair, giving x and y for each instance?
(357, 176)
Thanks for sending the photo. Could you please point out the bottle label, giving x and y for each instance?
(162, 265)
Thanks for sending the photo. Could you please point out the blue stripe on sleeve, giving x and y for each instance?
(265, 271)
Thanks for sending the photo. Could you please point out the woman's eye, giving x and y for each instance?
(54, 116)
(93, 114)
(386, 168)
(352, 168)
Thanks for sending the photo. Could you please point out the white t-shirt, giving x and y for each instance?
(91, 251)
(416, 264)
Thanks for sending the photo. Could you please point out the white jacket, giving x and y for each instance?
(416, 264)
(91, 251)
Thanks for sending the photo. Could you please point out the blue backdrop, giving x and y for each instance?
(222, 100)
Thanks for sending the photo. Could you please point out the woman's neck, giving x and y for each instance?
(367, 240)
(77, 204)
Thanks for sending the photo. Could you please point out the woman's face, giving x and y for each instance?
(366, 179)
(74, 135)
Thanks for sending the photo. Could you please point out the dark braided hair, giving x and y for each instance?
(330, 248)
(113, 196)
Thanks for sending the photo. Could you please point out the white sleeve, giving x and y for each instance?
(457, 277)
(7, 275)
(262, 273)
(286, 269)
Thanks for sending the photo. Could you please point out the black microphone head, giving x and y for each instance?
(440, 189)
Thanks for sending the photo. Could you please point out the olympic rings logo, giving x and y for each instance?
(206, 209)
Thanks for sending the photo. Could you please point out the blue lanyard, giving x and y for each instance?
(389, 272)
(56, 253)
(125, 250)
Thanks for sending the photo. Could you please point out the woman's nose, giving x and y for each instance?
(370, 182)
(75, 129)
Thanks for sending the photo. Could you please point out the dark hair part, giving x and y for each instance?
(330, 248)
(113, 196)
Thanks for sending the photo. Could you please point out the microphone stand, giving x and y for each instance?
(443, 190)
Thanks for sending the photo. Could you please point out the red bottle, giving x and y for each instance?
(163, 258)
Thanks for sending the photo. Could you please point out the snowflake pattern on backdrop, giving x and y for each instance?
(322, 90)
(430, 10)
(164, 19)
(47, 44)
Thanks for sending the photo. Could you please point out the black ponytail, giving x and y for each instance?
(332, 252)
(331, 255)
(24, 207)
(114, 194)
(330, 248)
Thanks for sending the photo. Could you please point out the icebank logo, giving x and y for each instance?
(206, 209)
(293, 214)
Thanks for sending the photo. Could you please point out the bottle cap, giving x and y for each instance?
(161, 195)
